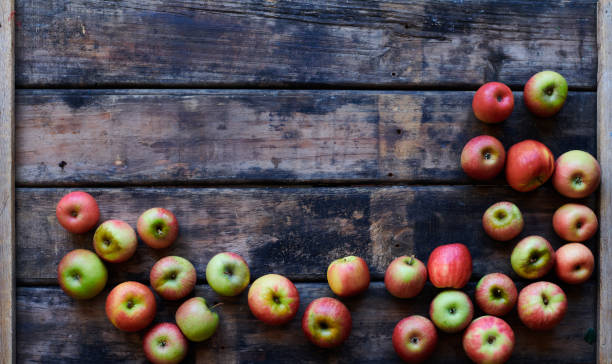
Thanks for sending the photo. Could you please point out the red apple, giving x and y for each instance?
(131, 306)
(529, 165)
(273, 299)
(157, 227)
(414, 339)
(405, 277)
(483, 157)
(542, 305)
(503, 221)
(545, 93)
(488, 340)
(493, 102)
(574, 263)
(173, 277)
(326, 322)
(577, 174)
(115, 241)
(77, 212)
(496, 294)
(575, 222)
(165, 344)
(450, 266)
(348, 276)
(81, 274)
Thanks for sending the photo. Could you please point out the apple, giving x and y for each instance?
(503, 221)
(493, 102)
(130, 306)
(195, 319)
(81, 274)
(496, 294)
(228, 274)
(532, 257)
(165, 344)
(488, 340)
(542, 305)
(157, 227)
(574, 263)
(529, 165)
(273, 299)
(451, 311)
(414, 339)
(115, 241)
(483, 157)
(577, 174)
(405, 277)
(545, 93)
(575, 222)
(77, 212)
(450, 266)
(348, 276)
(173, 277)
(326, 322)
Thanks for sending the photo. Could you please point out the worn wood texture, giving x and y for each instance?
(355, 43)
(56, 329)
(7, 182)
(178, 136)
(604, 144)
(292, 231)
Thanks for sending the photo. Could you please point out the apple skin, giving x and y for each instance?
(327, 322)
(575, 222)
(195, 319)
(115, 241)
(493, 102)
(503, 221)
(532, 257)
(405, 277)
(451, 311)
(348, 276)
(529, 164)
(483, 157)
(545, 93)
(577, 174)
(130, 306)
(173, 277)
(228, 274)
(450, 266)
(542, 305)
(273, 299)
(81, 274)
(77, 212)
(496, 294)
(414, 339)
(574, 263)
(488, 340)
(165, 344)
(157, 227)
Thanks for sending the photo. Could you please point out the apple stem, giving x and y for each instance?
(216, 305)
(411, 261)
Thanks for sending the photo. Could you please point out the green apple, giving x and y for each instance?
(196, 321)
(451, 311)
(115, 241)
(228, 274)
(81, 274)
(532, 257)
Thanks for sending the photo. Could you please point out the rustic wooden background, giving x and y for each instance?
(292, 133)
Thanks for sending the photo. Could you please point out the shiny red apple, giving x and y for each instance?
(327, 322)
(483, 157)
(575, 222)
(542, 305)
(131, 306)
(529, 164)
(414, 339)
(450, 266)
(496, 294)
(488, 340)
(273, 299)
(493, 102)
(77, 212)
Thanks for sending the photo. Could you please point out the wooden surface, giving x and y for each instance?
(7, 183)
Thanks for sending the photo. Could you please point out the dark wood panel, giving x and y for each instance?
(292, 231)
(53, 328)
(178, 136)
(270, 43)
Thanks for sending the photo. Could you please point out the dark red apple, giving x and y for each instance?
(529, 164)
(414, 339)
(493, 102)
(77, 212)
(483, 157)
(450, 266)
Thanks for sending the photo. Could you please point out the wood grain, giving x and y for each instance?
(7, 182)
(355, 43)
(53, 328)
(604, 144)
(138, 137)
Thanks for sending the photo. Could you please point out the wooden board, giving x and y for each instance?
(136, 137)
(355, 43)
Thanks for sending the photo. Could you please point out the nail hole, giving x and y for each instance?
(62, 164)
(393, 74)
(390, 174)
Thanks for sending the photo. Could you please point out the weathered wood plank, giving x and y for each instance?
(52, 328)
(178, 136)
(7, 182)
(268, 43)
(292, 231)
(604, 144)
